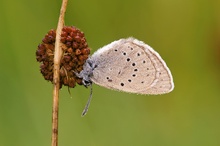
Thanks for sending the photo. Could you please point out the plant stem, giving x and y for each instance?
(56, 77)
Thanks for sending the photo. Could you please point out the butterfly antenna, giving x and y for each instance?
(88, 103)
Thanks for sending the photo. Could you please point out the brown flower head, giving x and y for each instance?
(75, 53)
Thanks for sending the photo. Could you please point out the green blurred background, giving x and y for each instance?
(185, 32)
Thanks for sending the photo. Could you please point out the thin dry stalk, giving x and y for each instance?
(56, 77)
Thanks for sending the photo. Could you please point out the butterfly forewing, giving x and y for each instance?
(130, 65)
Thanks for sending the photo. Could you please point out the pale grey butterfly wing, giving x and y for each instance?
(130, 65)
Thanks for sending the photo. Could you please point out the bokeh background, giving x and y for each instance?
(185, 32)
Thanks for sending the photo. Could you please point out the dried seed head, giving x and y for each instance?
(75, 53)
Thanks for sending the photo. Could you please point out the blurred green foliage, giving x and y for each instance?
(187, 35)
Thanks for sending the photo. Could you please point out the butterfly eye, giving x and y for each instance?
(87, 83)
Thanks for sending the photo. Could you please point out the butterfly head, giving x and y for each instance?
(87, 72)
